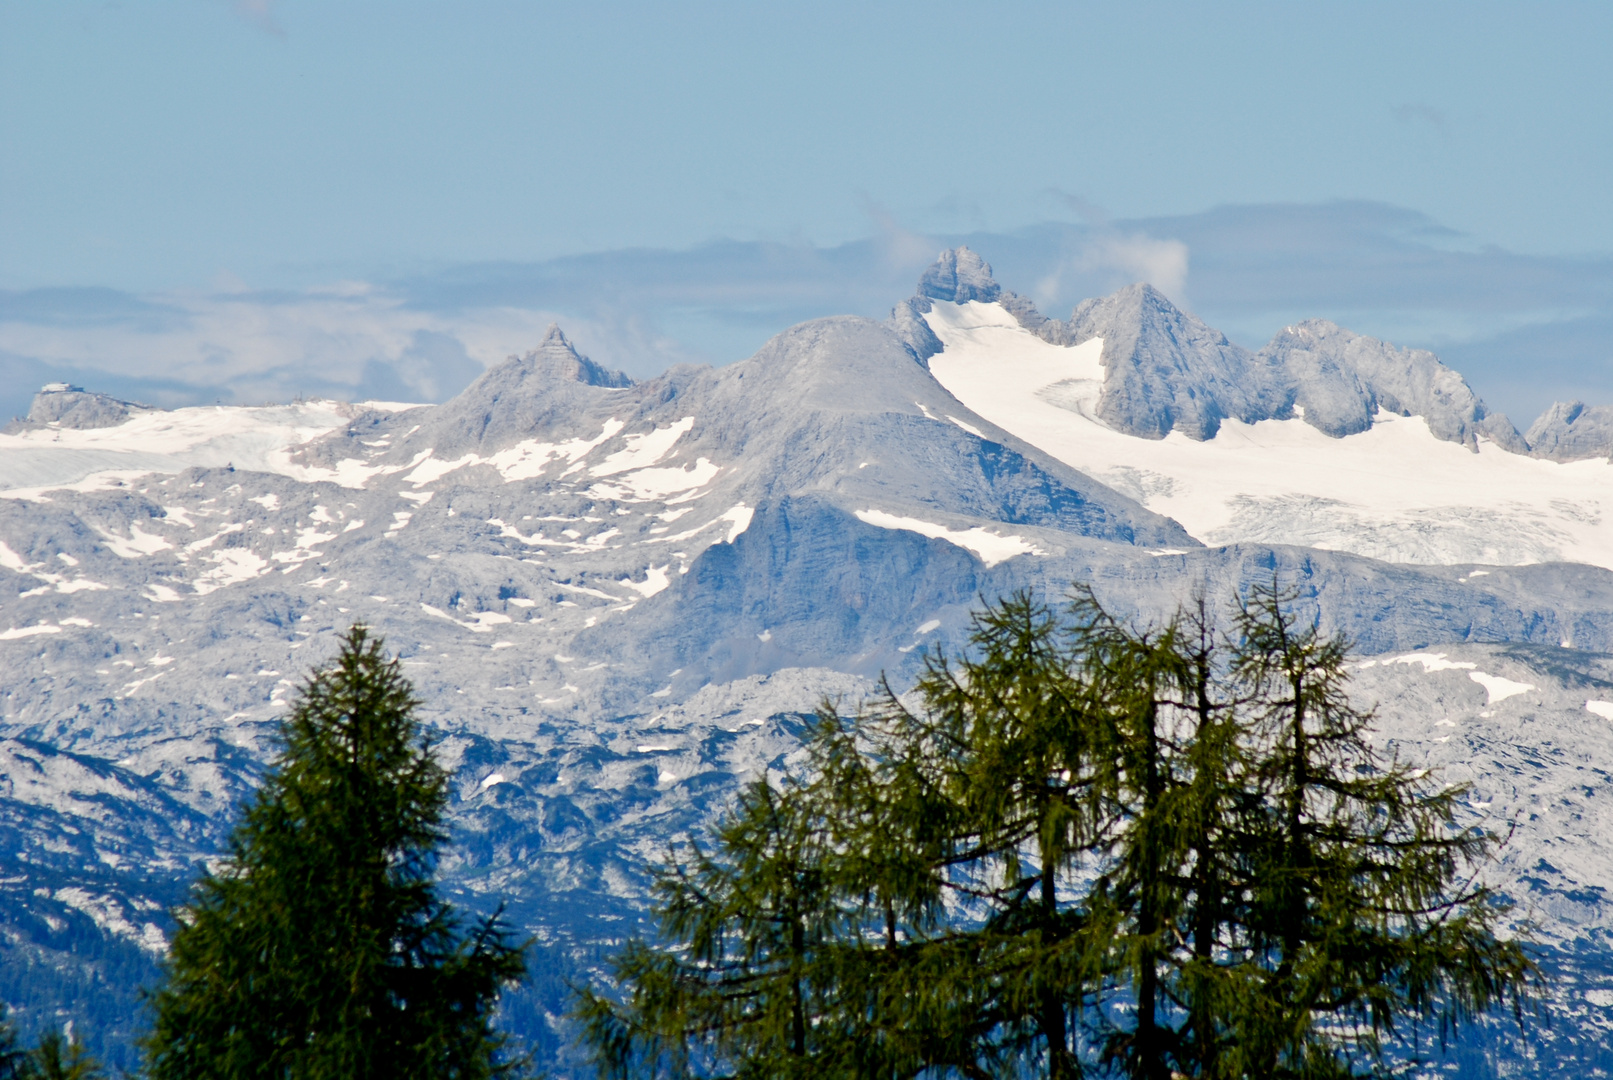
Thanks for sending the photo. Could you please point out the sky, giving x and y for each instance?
(243, 200)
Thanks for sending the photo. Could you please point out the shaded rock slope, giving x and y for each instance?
(621, 600)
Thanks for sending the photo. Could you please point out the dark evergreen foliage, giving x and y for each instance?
(13, 1058)
(54, 1057)
(1082, 848)
(319, 948)
(62, 1058)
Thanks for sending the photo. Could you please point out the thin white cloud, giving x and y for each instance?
(274, 348)
(1161, 263)
(1377, 269)
(1116, 259)
(899, 246)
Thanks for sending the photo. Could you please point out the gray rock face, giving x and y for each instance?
(1165, 370)
(958, 276)
(618, 602)
(836, 407)
(524, 394)
(75, 408)
(1572, 431)
(1341, 379)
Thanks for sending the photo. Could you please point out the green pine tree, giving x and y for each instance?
(61, 1058)
(319, 948)
(1083, 846)
(53, 1057)
(819, 935)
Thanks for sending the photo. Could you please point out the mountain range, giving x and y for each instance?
(620, 600)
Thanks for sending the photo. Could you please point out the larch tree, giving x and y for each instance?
(1078, 847)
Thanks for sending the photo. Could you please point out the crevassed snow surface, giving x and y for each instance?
(166, 442)
(1394, 492)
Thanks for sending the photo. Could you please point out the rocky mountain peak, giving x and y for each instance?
(1342, 379)
(1165, 369)
(1136, 310)
(1572, 431)
(558, 359)
(546, 386)
(959, 275)
(62, 405)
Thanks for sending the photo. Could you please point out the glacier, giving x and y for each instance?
(1393, 491)
(620, 600)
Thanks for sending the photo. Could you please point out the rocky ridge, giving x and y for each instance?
(1165, 370)
(620, 600)
(64, 406)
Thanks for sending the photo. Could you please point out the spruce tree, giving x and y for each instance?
(54, 1057)
(319, 948)
(983, 803)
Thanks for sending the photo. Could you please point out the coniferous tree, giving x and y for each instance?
(13, 1058)
(53, 1057)
(1162, 853)
(983, 803)
(1353, 926)
(62, 1058)
(319, 948)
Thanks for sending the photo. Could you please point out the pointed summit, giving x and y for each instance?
(556, 358)
(548, 386)
(1165, 370)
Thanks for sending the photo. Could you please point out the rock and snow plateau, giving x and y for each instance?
(618, 601)
(1394, 491)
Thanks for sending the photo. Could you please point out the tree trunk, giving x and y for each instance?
(1150, 1061)
(798, 1020)
(1060, 1064)
(1206, 884)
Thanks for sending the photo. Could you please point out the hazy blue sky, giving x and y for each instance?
(210, 198)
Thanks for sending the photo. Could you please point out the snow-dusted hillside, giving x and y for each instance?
(618, 601)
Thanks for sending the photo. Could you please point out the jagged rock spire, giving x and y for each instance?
(559, 359)
(959, 276)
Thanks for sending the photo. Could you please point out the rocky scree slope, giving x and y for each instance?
(618, 602)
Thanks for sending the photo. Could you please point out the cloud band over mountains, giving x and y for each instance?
(1525, 329)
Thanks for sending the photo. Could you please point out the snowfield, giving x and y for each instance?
(1394, 492)
(257, 439)
(545, 555)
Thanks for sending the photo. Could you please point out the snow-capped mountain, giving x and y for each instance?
(619, 600)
